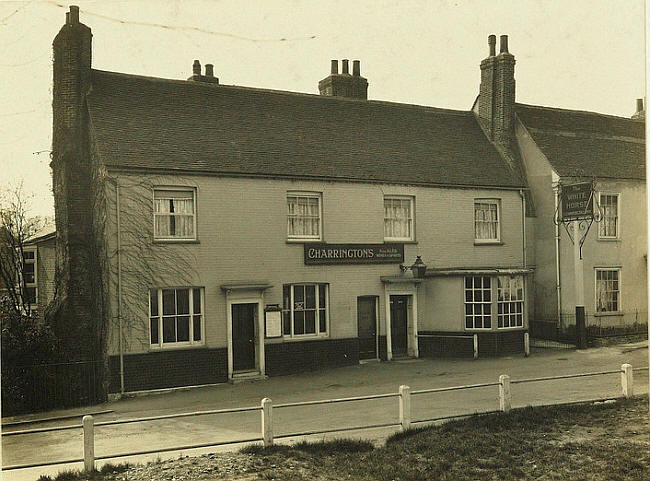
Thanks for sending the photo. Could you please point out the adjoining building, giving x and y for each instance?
(560, 147)
(210, 232)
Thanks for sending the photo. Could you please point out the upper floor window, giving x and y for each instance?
(175, 316)
(486, 221)
(608, 226)
(398, 218)
(478, 303)
(305, 309)
(29, 276)
(174, 214)
(608, 290)
(304, 216)
(510, 301)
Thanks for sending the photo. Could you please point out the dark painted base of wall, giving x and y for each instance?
(294, 357)
(166, 369)
(193, 367)
(490, 344)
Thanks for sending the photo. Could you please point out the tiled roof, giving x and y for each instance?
(587, 144)
(148, 123)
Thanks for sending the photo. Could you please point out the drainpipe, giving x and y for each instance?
(119, 283)
(558, 285)
(523, 250)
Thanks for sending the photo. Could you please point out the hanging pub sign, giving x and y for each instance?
(321, 254)
(577, 201)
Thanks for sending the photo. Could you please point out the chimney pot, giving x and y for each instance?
(639, 105)
(209, 70)
(356, 68)
(196, 68)
(346, 67)
(492, 42)
(504, 44)
(74, 15)
(67, 18)
(335, 67)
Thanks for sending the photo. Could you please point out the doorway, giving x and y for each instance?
(399, 324)
(244, 317)
(367, 326)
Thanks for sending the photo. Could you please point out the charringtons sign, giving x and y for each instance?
(353, 254)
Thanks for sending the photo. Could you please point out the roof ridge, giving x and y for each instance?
(326, 98)
(590, 112)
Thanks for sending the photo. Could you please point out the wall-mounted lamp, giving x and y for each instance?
(418, 268)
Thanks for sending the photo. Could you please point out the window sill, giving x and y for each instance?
(400, 241)
(488, 243)
(304, 241)
(609, 239)
(303, 338)
(176, 241)
(156, 348)
(609, 314)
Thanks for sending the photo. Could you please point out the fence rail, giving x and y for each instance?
(266, 409)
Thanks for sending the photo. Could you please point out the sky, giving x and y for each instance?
(586, 55)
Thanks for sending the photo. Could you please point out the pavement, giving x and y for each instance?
(359, 380)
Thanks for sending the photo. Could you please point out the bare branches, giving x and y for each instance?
(16, 229)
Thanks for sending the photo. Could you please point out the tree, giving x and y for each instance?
(16, 228)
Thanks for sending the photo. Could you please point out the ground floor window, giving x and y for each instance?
(305, 309)
(608, 290)
(478, 303)
(176, 316)
(510, 301)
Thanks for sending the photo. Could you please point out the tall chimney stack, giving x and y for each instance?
(356, 68)
(346, 67)
(335, 67)
(496, 102)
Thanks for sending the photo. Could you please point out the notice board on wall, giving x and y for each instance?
(273, 322)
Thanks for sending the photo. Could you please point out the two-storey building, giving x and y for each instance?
(209, 232)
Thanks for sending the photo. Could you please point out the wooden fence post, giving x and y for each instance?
(526, 344)
(505, 397)
(627, 380)
(267, 422)
(89, 443)
(405, 407)
(475, 338)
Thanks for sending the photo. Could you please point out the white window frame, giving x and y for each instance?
(411, 219)
(618, 215)
(182, 344)
(302, 237)
(186, 189)
(620, 291)
(522, 302)
(482, 302)
(496, 202)
(33, 306)
(291, 311)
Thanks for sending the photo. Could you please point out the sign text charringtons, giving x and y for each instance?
(319, 253)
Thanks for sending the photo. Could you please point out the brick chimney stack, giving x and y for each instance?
(497, 92)
(76, 314)
(343, 84)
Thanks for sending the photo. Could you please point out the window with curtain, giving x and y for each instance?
(304, 216)
(478, 303)
(608, 290)
(398, 218)
(510, 301)
(608, 226)
(305, 309)
(175, 316)
(174, 214)
(486, 220)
